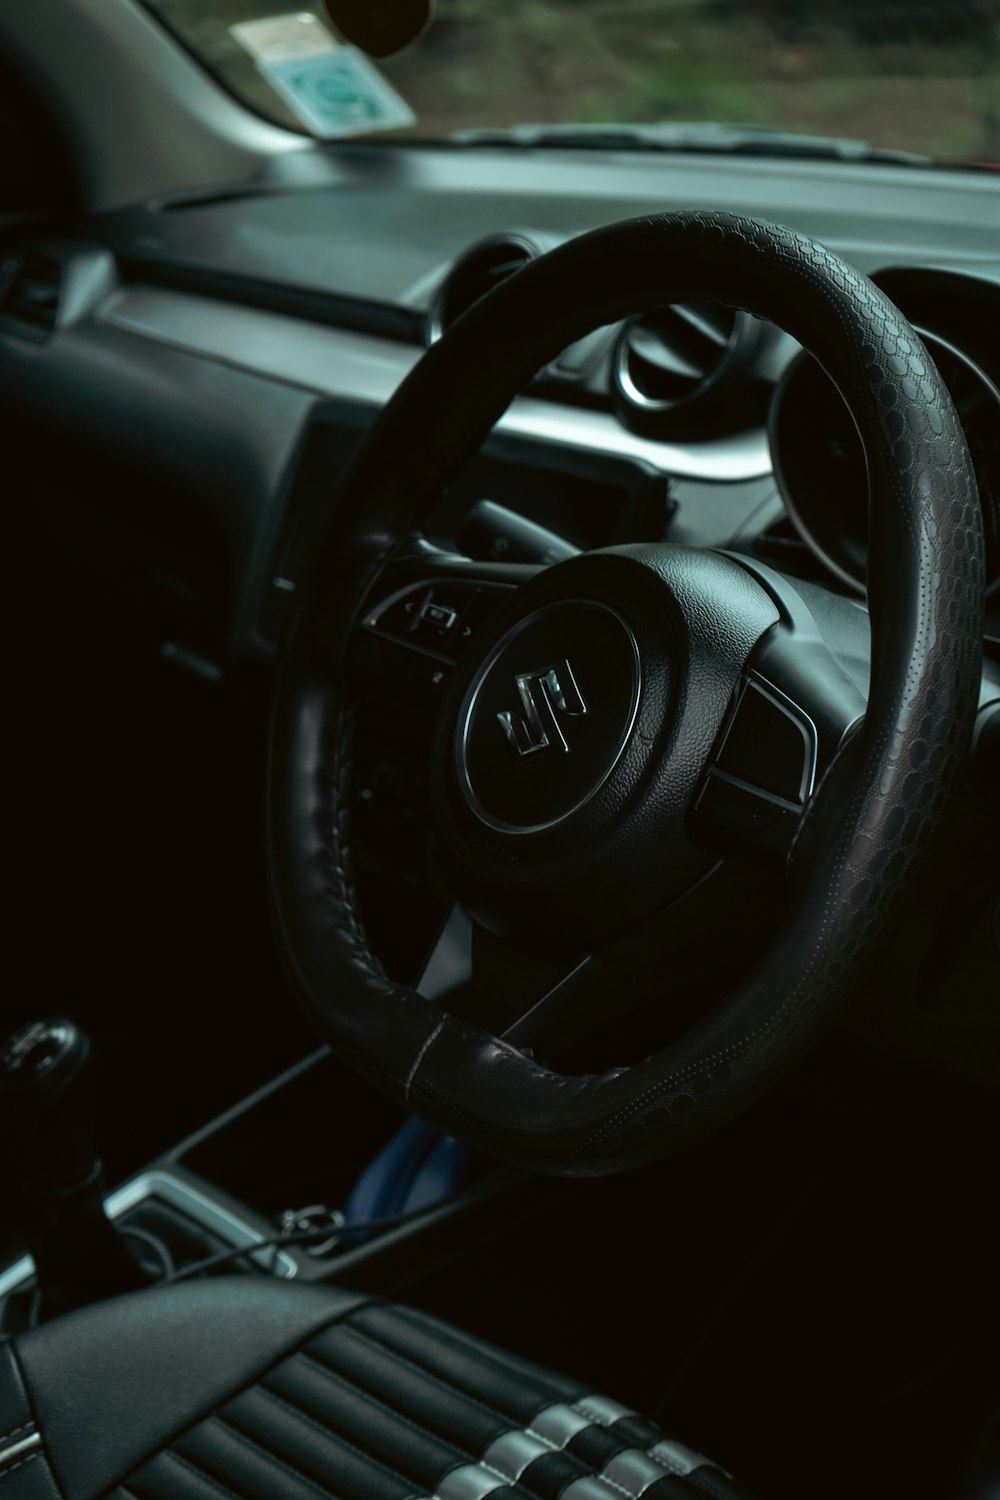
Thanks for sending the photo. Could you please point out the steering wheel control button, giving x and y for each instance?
(399, 617)
(439, 618)
(769, 744)
(436, 626)
(548, 716)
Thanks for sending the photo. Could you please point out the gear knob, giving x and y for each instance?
(47, 1127)
(46, 1106)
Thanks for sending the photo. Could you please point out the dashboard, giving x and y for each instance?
(182, 382)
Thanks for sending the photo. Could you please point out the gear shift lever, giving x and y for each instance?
(46, 1124)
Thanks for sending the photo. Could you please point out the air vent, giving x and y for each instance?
(32, 292)
(671, 367)
(474, 274)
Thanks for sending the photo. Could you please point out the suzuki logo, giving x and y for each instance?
(544, 695)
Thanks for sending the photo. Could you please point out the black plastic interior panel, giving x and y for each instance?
(153, 392)
(382, 222)
(154, 460)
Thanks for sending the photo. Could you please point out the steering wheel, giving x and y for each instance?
(608, 728)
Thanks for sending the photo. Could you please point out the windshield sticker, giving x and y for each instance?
(337, 92)
(331, 88)
(276, 38)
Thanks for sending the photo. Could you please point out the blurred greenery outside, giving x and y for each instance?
(911, 75)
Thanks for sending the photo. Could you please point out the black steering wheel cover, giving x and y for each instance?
(858, 851)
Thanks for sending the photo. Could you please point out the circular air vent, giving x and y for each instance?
(474, 274)
(672, 366)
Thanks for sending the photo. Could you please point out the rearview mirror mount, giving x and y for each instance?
(380, 27)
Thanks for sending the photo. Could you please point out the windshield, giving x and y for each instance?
(913, 76)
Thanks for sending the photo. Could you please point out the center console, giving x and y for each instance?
(283, 1165)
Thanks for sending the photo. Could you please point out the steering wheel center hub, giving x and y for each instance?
(572, 744)
(547, 718)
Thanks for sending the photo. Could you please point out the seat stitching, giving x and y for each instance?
(331, 1432)
(383, 1345)
(251, 1381)
(586, 1471)
(453, 1336)
(613, 1484)
(273, 1458)
(24, 1427)
(31, 1406)
(197, 1471)
(425, 1047)
(511, 1484)
(578, 1407)
(19, 1465)
(438, 1380)
(390, 1411)
(545, 1441)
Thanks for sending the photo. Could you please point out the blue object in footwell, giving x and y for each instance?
(417, 1167)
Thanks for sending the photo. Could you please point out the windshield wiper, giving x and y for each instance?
(736, 140)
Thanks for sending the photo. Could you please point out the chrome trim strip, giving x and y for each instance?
(180, 1195)
(18, 1450)
(15, 1275)
(728, 460)
(211, 1215)
(802, 719)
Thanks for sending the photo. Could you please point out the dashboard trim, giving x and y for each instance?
(360, 367)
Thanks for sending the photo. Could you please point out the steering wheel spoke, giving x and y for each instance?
(532, 1001)
(610, 706)
(600, 988)
(795, 707)
(419, 616)
(538, 1004)
(543, 1005)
